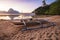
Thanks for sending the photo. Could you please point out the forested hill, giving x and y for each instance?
(52, 9)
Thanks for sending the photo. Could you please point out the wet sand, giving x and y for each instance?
(9, 31)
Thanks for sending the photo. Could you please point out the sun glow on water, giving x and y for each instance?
(5, 18)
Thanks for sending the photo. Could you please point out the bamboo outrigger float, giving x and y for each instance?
(36, 24)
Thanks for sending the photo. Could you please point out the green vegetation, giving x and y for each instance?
(52, 9)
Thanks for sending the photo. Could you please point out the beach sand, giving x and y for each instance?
(9, 31)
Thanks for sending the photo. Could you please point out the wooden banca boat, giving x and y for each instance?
(35, 24)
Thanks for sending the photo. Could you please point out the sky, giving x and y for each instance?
(22, 5)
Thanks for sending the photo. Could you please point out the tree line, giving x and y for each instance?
(52, 9)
